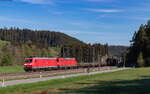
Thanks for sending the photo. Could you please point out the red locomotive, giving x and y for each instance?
(42, 63)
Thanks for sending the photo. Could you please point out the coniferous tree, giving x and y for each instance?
(85, 53)
(140, 43)
(140, 60)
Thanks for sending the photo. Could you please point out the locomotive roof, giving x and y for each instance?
(50, 58)
(45, 58)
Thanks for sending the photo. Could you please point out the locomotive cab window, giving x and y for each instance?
(57, 60)
(28, 60)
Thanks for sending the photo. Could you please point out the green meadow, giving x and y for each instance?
(131, 81)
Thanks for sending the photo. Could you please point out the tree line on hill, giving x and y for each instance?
(37, 37)
(85, 52)
(139, 52)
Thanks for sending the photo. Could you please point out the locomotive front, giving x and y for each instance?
(28, 64)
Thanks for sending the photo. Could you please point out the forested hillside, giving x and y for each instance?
(117, 50)
(37, 37)
(139, 52)
(16, 44)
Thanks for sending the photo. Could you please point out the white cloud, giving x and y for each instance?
(105, 10)
(139, 18)
(129, 17)
(76, 23)
(37, 1)
(7, 19)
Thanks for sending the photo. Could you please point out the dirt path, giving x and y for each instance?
(32, 80)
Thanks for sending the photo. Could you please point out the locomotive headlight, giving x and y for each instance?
(28, 64)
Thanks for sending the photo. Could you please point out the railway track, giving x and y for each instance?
(47, 73)
(33, 80)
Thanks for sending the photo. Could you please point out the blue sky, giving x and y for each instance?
(92, 21)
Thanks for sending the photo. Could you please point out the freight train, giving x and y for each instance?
(43, 63)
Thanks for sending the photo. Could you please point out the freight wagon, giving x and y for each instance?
(42, 63)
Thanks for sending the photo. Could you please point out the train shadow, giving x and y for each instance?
(139, 86)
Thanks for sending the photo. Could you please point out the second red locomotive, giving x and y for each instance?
(42, 63)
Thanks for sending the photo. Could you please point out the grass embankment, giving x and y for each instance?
(132, 81)
(11, 69)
